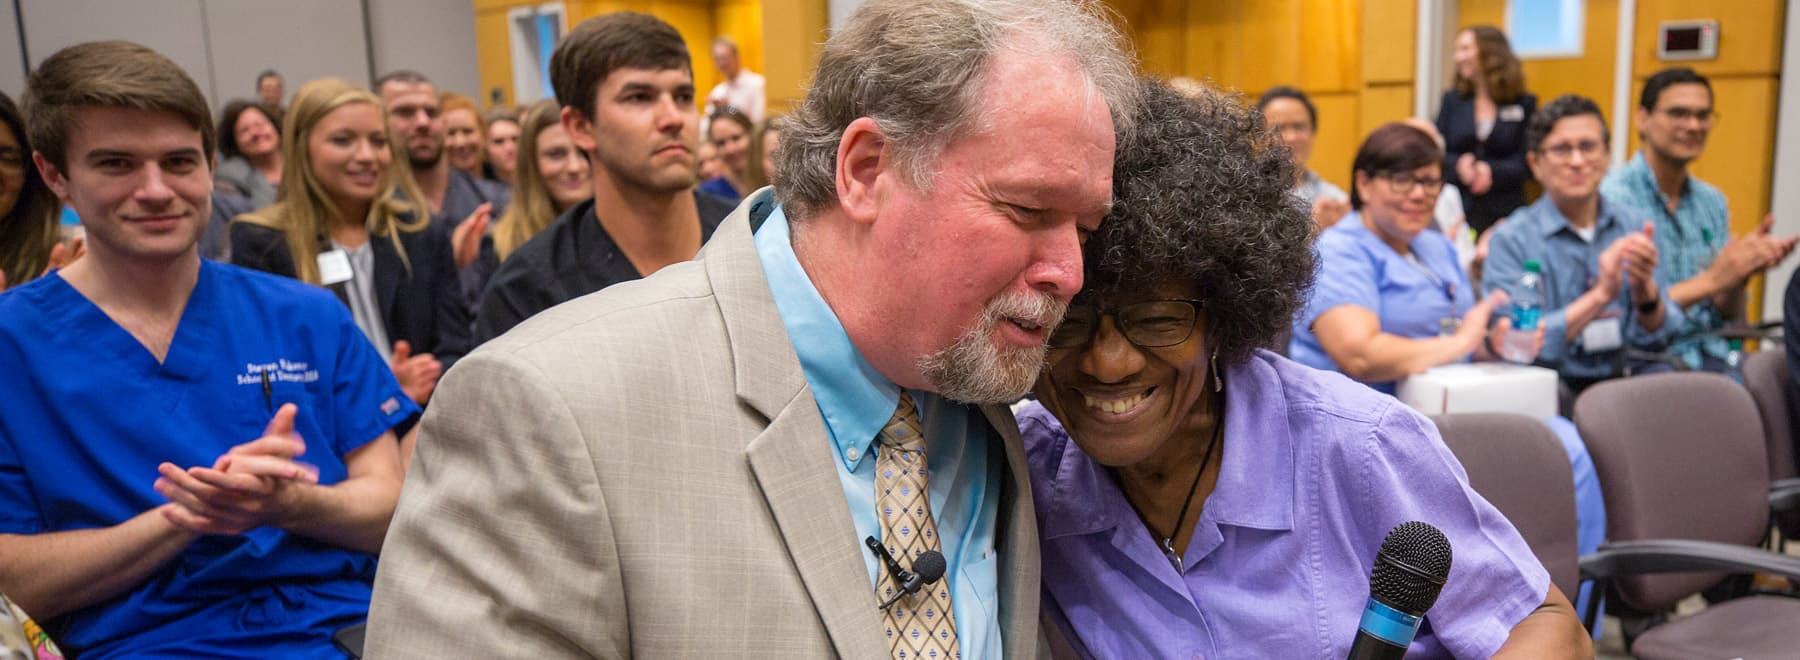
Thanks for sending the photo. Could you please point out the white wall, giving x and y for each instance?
(223, 44)
(1786, 202)
(303, 40)
(841, 11)
(433, 37)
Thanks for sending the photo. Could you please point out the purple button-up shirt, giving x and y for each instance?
(1317, 469)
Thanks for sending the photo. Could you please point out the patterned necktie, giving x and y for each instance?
(920, 626)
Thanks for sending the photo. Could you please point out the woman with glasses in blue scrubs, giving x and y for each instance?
(1391, 299)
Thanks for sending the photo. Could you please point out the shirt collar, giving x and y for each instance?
(1639, 168)
(855, 399)
(1550, 219)
(1256, 480)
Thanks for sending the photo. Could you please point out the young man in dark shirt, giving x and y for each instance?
(630, 92)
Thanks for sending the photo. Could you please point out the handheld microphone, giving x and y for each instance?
(930, 567)
(1409, 571)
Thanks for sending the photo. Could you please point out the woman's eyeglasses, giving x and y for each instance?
(1151, 324)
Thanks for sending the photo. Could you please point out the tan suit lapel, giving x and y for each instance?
(1018, 539)
(791, 457)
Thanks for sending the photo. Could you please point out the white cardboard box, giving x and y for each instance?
(1482, 387)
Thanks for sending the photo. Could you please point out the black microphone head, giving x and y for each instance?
(930, 566)
(1411, 567)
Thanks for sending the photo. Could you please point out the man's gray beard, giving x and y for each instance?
(974, 370)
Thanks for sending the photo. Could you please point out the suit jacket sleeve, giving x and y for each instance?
(261, 248)
(1510, 171)
(501, 546)
(450, 306)
(1446, 116)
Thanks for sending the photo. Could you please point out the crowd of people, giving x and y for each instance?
(812, 331)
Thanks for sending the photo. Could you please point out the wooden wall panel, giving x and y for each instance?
(1330, 40)
(1589, 75)
(1750, 33)
(1382, 104)
(795, 29)
(493, 47)
(1389, 38)
(1338, 136)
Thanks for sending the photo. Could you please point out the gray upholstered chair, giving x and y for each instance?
(1518, 464)
(1684, 468)
(1766, 376)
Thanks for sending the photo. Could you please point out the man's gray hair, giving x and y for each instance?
(919, 69)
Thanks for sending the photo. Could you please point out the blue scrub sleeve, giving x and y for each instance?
(1405, 472)
(19, 514)
(369, 400)
(1346, 277)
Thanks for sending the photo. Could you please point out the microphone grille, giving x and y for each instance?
(1411, 567)
(930, 566)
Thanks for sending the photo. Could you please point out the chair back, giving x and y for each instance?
(1766, 376)
(1679, 456)
(1518, 464)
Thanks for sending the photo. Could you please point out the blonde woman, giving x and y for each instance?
(343, 220)
(552, 176)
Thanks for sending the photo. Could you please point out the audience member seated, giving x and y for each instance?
(1391, 300)
(1598, 257)
(465, 138)
(1291, 115)
(645, 213)
(249, 153)
(742, 90)
(1705, 266)
(764, 148)
(349, 223)
(502, 146)
(1482, 119)
(417, 121)
(30, 218)
(1170, 457)
(158, 501)
(215, 242)
(729, 132)
(555, 177)
(271, 91)
(708, 158)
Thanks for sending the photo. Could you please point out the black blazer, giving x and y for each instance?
(424, 307)
(1504, 152)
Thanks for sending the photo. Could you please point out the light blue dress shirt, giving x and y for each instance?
(1410, 297)
(1687, 242)
(1570, 264)
(856, 402)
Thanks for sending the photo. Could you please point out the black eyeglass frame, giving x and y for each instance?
(1125, 328)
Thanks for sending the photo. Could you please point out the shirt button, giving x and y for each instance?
(852, 454)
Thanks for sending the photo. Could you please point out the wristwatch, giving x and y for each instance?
(1649, 307)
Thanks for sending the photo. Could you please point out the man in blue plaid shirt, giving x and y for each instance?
(1706, 265)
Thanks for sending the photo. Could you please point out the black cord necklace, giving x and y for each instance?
(1168, 542)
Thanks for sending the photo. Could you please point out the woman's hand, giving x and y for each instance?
(465, 240)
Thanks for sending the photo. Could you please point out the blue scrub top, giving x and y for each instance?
(90, 413)
(1356, 268)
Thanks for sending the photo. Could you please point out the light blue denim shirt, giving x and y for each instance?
(856, 402)
(1687, 241)
(1570, 264)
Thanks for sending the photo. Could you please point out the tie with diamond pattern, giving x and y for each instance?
(920, 626)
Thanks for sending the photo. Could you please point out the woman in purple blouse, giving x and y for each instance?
(1199, 497)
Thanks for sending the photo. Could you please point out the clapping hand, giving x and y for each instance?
(253, 485)
(418, 374)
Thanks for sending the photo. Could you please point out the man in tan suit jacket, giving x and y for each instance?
(646, 471)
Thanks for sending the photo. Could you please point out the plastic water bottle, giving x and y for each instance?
(1734, 361)
(1527, 306)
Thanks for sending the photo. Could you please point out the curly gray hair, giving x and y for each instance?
(1201, 194)
(917, 67)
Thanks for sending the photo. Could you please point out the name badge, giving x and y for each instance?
(334, 267)
(1512, 113)
(1602, 335)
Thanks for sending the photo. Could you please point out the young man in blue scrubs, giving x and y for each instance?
(195, 460)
